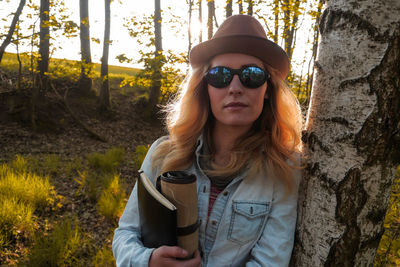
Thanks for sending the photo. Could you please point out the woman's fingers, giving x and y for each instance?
(173, 257)
(166, 256)
(172, 252)
(194, 262)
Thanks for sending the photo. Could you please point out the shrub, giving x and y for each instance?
(111, 202)
(139, 155)
(108, 162)
(61, 247)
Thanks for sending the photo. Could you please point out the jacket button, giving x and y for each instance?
(225, 193)
(213, 222)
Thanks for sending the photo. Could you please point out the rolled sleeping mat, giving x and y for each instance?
(180, 188)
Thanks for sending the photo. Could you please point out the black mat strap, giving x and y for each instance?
(187, 230)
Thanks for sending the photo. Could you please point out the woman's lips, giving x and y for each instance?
(235, 105)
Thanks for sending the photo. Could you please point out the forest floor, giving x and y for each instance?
(123, 127)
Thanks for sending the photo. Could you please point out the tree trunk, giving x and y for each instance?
(291, 16)
(228, 8)
(314, 53)
(211, 9)
(10, 33)
(156, 79)
(104, 97)
(44, 45)
(240, 3)
(85, 82)
(352, 135)
(250, 7)
(19, 67)
(190, 2)
(200, 22)
(276, 21)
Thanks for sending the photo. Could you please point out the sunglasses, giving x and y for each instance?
(250, 76)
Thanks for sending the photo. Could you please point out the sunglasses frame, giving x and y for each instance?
(239, 72)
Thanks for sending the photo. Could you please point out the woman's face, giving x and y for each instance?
(236, 105)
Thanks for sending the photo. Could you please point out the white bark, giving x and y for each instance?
(352, 134)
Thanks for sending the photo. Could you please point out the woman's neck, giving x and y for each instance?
(224, 138)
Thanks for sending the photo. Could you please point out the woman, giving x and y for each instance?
(236, 126)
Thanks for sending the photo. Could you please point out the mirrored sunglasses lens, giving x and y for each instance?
(219, 77)
(253, 77)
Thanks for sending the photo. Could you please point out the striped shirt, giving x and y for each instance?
(214, 192)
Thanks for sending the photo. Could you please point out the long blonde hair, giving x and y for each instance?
(270, 143)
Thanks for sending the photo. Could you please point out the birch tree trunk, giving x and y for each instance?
(352, 134)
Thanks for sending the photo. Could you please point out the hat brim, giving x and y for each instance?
(262, 48)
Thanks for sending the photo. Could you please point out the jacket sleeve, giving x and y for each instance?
(274, 248)
(127, 246)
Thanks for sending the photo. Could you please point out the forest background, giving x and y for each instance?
(74, 132)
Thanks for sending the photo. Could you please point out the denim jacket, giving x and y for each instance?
(251, 223)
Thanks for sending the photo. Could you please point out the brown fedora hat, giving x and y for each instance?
(241, 34)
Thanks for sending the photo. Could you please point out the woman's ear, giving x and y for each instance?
(266, 95)
(269, 87)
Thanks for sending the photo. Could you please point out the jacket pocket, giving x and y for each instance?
(248, 219)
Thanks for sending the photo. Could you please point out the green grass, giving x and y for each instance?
(60, 247)
(16, 219)
(139, 155)
(51, 163)
(73, 166)
(108, 162)
(23, 195)
(104, 258)
(112, 200)
(26, 187)
(10, 62)
(19, 165)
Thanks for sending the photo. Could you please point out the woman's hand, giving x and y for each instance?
(167, 256)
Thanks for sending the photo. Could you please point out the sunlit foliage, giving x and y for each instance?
(139, 155)
(388, 253)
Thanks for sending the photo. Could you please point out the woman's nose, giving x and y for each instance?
(236, 87)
